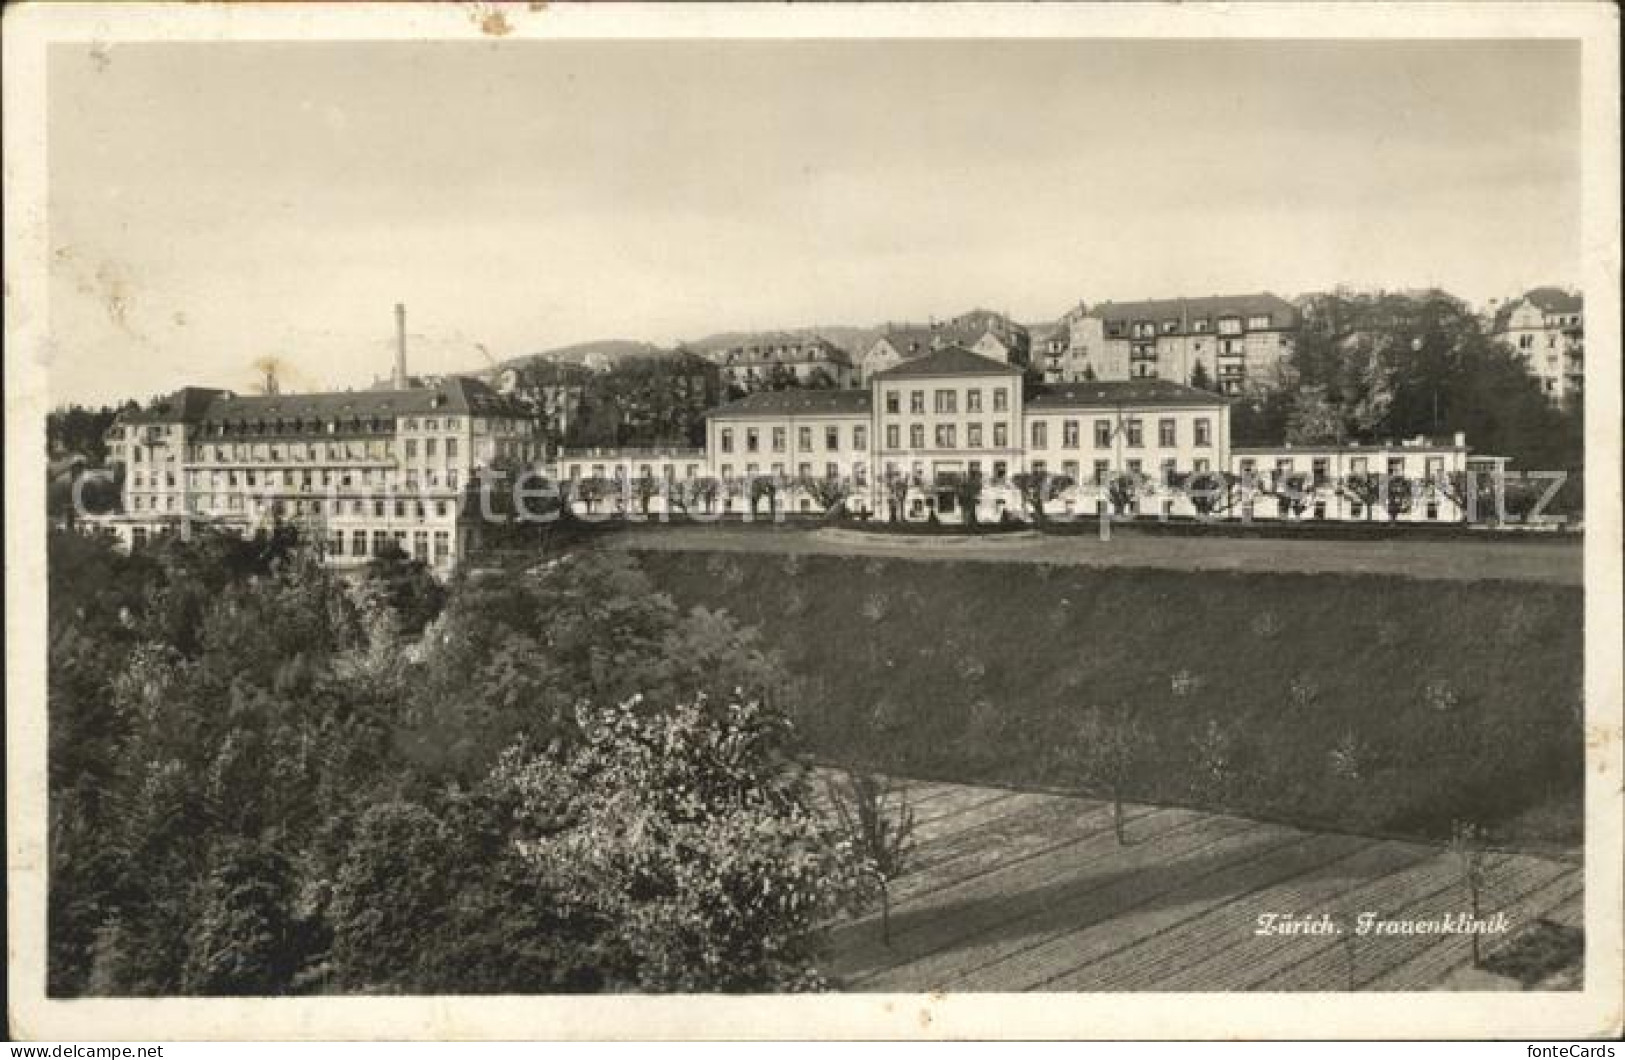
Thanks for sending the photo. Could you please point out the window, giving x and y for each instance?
(892, 436)
(1433, 509)
(1318, 468)
(1435, 468)
(1038, 467)
(428, 446)
(1040, 434)
(1000, 470)
(945, 436)
(420, 545)
(753, 440)
(1103, 434)
(451, 448)
(1357, 465)
(1136, 433)
(973, 400)
(945, 401)
(1165, 433)
(891, 402)
(916, 436)
(358, 543)
(1169, 470)
(1201, 466)
(804, 470)
(1001, 435)
(1258, 320)
(916, 401)
(1069, 434)
(1102, 469)
(442, 546)
(780, 439)
(411, 448)
(832, 437)
(1001, 399)
(860, 437)
(832, 471)
(1230, 325)
(1204, 431)
(973, 435)
(1136, 468)
(726, 440)
(1069, 468)
(1396, 466)
(804, 437)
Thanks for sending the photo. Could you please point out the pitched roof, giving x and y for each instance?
(797, 402)
(950, 360)
(1283, 313)
(910, 340)
(1555, 300)
(455, 395)
(1100, 394)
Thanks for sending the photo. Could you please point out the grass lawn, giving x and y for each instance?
(1375, 705)
(1550, 561)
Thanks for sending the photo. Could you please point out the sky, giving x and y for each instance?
(214, 204)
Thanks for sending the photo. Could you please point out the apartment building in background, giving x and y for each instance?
(1237, 340)
(754, 362)
(1547, 327)
(982, 331)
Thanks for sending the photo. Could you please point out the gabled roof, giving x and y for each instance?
(453, 395)
(1283, 313)
(1555, 300)
(950, 360)
(797, 402)
(1105, 394)
(910, 340)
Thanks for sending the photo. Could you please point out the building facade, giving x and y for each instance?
(752, 364)
(1235, 342)
(1547, 327)
(982, 331)
(354, 471)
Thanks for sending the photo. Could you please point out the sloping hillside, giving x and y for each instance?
(1377, 705)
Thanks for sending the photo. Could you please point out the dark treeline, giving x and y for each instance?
(268, 779)
(79, 431)
(1374, 366)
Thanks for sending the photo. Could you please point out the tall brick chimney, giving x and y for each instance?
(400, 346)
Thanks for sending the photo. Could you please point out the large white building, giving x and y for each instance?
(355, 471)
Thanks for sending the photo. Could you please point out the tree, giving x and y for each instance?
(764, 487)
(590, 491)
(645, 488)
(828, 493)
(704, 491)
(968, 494)
(1315, 420)
(1089, 373)
(1106, 750)
(1124, 491)
(688, 836)
(244, 941)
(1211, 492)
(1200, 379)
(1293, 491)
(881, 836)
(1037, 489)
(1468, 847)
(1399, 496)
(1364, 490)
(897, 490)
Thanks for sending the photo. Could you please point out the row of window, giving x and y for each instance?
(860, 471)
(1133, 431)
(946, 401)
(1231, 325)
(779, 438)
(308, 478)
(236, 502)
(946, 436)
(381, 539)
(1320, 467)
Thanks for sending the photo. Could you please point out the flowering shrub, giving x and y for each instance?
(690, 836)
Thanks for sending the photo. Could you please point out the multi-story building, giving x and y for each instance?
(982, 331)
(1547, 326)
(952, 414)
(1319, 477)
(1234, 341)
(791, 435)
(812, 360)
(354, 470)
